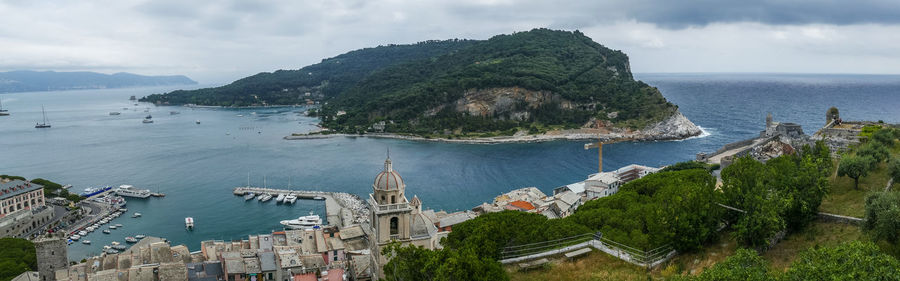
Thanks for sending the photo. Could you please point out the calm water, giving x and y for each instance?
(198, 165)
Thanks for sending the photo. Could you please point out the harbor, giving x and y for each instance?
(341, 209)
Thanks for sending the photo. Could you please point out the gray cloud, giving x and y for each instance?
(219, 41)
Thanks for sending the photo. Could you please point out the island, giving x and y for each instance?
(34, 81)
(527, 86)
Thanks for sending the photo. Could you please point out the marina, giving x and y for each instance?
(341, 209)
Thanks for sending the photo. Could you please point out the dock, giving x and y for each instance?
(337, 212)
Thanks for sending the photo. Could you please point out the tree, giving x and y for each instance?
(874, 149)
(412, 262)
(854, 260)
(744, 265)
(855, 167)
(16, 256)
(883, 217)
(894, 169)
(885, 136)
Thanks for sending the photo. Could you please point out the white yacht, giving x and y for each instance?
(189, 223)
(290, 199)
(265, 198)
(131, 191)
(305, 222)
(249, 196)
(280, 198)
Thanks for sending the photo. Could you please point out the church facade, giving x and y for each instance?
(394, 218)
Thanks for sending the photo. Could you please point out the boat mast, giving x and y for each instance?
(264, 182)
(248, 179)
(44, 113)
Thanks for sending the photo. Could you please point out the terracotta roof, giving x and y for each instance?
(522, 205)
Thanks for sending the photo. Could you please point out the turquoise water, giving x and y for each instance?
(198, 165)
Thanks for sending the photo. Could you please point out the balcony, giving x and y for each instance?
(388, 208)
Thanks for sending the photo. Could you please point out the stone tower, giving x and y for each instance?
(390, 209)
(52, 255)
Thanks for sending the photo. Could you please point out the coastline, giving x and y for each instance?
(676, 127)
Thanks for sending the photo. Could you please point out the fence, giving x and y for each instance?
(649, 259)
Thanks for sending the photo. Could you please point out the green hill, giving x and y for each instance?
(536, 80)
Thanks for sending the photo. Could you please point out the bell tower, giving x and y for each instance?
(390, 209)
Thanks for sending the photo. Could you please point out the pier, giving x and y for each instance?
(342, 209)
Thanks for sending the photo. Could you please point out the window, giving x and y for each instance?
(393, 199)
(382, 199)
(395, 222)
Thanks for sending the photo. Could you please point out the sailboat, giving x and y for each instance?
(45, 124)
(148, 119)
(3, 112)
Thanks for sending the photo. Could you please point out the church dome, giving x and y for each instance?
(388, 179)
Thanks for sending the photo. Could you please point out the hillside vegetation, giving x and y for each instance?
(27, 81)
(537, 80)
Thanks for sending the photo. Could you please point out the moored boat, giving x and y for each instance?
(249, 196)
(131, 191)
(189, 223)
(305, 222)
(280, 198)
(130, 239)
(86, 242)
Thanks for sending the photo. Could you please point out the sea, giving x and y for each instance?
(198, 165)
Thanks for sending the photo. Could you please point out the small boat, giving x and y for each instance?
(75, 237)
(112, 251)
(120, 247)
(115, 243)
(280, 198)
(130, 239)
(240, 115)
(140, 236)
(265, 198)
(189, 223)
(44, 124)
(82, 233)
(198, 122)
(290, 199)
(319, 198)
(148, 119)
(3, 112)
(86, 242)
(106, 231)
(174, 112)
(136, 215)
(115, 113)
(112, 227)
(119, 225)
(249, 196)
(123, 210)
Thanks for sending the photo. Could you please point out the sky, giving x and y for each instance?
(217, 42)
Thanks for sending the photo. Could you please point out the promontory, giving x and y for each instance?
(541, 84)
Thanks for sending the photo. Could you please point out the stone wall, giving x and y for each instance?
(20, 223)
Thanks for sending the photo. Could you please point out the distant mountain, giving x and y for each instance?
(29, 81)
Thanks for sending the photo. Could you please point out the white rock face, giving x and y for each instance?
(675, 127)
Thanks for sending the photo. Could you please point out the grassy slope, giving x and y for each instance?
(600, 266)
(843, 199)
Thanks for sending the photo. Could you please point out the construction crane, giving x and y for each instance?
(599, 146)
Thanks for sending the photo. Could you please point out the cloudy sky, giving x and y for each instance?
(219, 41)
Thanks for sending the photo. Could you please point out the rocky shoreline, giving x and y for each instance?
(675, 127)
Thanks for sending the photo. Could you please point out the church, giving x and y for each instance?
(394, 218)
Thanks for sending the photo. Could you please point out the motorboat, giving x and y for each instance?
(115, 113)
(119, 225)
(120, 247)
(198, 122)
(115, 243)
(290, 199)
(249, 196)
(112, 251)
(130, 239)
(140, 236)
(280, 198)
(112, 227)
(305, 222)
(189, 223)
(82, 233)
(106, 231)
(265, 198)
(136, 215)
(131, 191)
(86, 242)
(75, 237)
